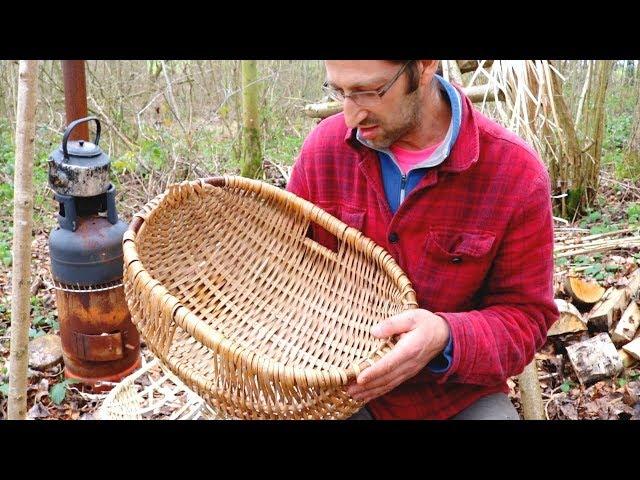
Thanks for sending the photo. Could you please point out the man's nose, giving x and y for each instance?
(353, 113)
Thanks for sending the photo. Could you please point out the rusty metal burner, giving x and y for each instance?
(99, 342)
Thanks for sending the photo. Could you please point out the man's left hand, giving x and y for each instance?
(422, 336)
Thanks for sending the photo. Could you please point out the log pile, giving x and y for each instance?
(599, 327)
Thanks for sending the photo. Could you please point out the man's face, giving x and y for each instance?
(397, 112)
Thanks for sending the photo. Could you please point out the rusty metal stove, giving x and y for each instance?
(100, 343)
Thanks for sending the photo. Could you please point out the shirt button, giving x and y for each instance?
(456, 260)
(393, 237)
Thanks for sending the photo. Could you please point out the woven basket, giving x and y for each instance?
(153, 392)
(261, 321)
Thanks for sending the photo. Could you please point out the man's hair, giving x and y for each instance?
(413, 74)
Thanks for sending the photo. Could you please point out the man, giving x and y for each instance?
(463, 206)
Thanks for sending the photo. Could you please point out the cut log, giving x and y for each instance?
(322, 110)
(480, 93)
(633, 348)
(454, 71)
(627, 360)
(634, 283)
(570, 319)
(633, 287)
(561, 342)
(608, 310)
(628, 325)
(595, 359)
(582, 291)
(472, 65)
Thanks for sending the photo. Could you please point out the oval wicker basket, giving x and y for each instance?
(261, 321)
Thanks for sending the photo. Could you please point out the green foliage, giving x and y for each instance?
(620, 104)
(125, 163)
(44, 320)
(595, 271)
(6, 233)
(6, 192)
(35, 333)
(58, 392)
(617, 132)
(283, 149)
(598, 222)
(567, 385)
(574, 198)
(4, 389)
(581, 260)
(154, 154)
(6, 149)
(43, 148)
(596, 229)
(592, 216)
(633, 213)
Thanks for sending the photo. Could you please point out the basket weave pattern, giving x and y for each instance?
(261, 321)
(162, 396)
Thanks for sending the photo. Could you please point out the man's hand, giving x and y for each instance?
(422, 336)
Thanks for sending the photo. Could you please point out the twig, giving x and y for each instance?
(111, 125)
(632, 188)
(599, 249)
(279, 168)
(552, 397)
(170, 97)
(607, 234)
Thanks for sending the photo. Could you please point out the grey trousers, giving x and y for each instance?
(496, 406)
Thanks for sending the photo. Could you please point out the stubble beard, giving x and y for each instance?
(412, 113)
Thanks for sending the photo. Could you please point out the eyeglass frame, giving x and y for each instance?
(341, 97)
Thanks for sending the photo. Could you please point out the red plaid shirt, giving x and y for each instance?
(475, 238)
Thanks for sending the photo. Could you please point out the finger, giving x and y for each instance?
(390, 363)
(400, 323)
(388, 379)
(403, 353)
(377, 392)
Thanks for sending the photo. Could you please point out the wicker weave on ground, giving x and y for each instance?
(153, 392)
(257, 318)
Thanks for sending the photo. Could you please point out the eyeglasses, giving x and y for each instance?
(366, 98)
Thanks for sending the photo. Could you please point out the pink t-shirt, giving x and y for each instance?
(407, 159)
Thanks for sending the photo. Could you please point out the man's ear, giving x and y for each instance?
(428, 68)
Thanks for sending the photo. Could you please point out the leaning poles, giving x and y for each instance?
(22, 228)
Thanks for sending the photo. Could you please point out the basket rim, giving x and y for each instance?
(257, 363)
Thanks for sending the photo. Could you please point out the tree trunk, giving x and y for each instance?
(577, 172)
(563, 172)
(595, 129)
(251, 161)
(632, 154)
(530, 393)
(22, 227)
(629, 72)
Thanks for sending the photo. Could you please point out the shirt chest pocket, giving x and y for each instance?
(454, 266)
